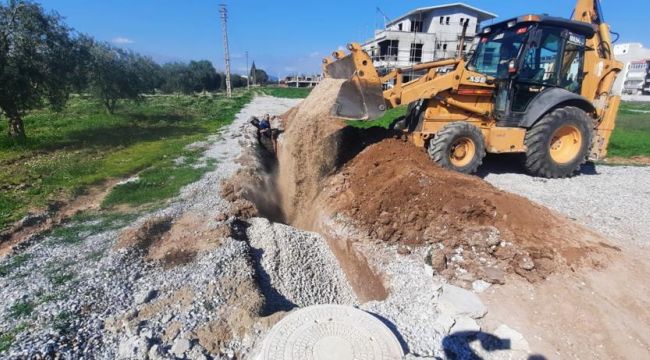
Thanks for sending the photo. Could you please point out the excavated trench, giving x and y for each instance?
(265, 192)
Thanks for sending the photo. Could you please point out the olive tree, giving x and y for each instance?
(117, 73)
(36, 60)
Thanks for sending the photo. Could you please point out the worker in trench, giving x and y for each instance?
(268, 130)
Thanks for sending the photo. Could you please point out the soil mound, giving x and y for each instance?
(308, 152)
(395, 193)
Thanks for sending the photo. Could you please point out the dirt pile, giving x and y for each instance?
(173, 241)
(308, 153)
(394, 193)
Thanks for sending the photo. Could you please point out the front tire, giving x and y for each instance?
(559, 143)
(459, 146)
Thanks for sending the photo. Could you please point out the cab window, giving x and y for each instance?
(572, 64)
(540, 64)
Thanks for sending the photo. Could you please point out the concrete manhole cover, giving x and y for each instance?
(335, 332)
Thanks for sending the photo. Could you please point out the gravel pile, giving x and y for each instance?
(613, 200)
(298, 266)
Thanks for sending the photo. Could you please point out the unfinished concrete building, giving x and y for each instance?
(425, 34)
(635, 77)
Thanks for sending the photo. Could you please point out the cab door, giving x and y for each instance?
(557, 61)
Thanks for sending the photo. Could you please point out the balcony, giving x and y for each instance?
(381, 35)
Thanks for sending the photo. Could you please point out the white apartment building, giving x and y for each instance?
(635, 77)
(425, 34)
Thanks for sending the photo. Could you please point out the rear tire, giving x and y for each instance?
(459, 146)
(559, 143)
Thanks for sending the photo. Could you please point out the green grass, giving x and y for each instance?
(7, 338)
(21, 309)
(63, 321)
(67, 152)
(291, 93)
(384, 122)
(13, 263)
(631, 136)
(58, 272)
(159, 182)
(83, 225)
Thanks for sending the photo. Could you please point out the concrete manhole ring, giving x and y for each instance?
(324, 332)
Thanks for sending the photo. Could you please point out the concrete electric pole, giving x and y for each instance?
(226, 52)
(248, 76)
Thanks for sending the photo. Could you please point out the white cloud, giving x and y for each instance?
(315, 54)
(120, 40)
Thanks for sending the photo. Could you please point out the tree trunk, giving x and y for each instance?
(109, 104)
(16, 128)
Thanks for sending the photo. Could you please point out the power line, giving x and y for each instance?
(226, 52)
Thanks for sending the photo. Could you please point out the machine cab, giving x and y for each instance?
(527, 56)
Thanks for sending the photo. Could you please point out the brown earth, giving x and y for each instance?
(308, 153)
(58, 212)
(173, 242)
(634, 160)
(394, 193)
(588, 314)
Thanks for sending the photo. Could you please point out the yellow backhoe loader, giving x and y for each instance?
(535, 84)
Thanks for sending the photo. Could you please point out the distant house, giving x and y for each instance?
(634, 79)
(425, 34)
(301, 81)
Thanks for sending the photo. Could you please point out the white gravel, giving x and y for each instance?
(615, 200)
(298, 267)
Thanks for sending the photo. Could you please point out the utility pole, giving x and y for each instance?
(248, 76)
(226, 52)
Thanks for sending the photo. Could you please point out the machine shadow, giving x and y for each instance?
(514, 164)
(456, 346)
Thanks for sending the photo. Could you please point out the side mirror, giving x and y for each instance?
(512, 67)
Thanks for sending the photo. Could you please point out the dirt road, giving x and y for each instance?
(613, 200)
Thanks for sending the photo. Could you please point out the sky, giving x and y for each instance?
(285, 37)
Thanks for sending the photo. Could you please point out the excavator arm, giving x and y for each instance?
(601, 69)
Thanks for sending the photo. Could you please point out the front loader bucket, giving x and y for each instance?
(361, 96)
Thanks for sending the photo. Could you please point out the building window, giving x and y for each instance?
(416, 26)
(462, 21)
(444, 47)
(399, 26)
(447, 20)
(416, 53)
(388, 50)
(438, 46)
(442, 20)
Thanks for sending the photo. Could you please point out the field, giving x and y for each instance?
(83, 145)
(290, 93)
(632, 134)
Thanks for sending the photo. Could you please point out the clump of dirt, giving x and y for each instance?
(145, 235)
(394, 192)
(173, 242)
